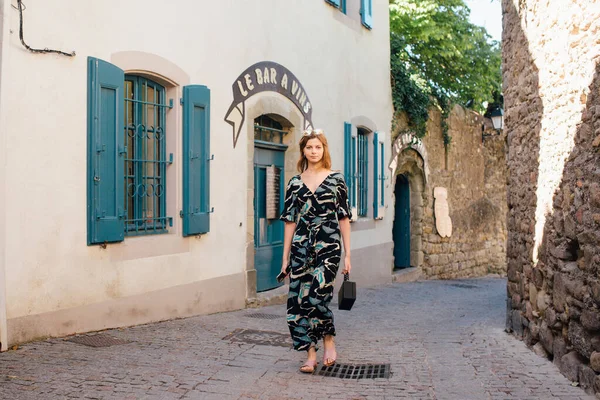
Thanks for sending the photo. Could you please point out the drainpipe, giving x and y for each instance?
(5, 13)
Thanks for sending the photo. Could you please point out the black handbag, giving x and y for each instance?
(347, 294)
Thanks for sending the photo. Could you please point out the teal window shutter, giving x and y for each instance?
(353, 175)
(105, 147)
(379, 170)
(196, 169)
(349, 163)
(366, 13)
(375, 175)
(334, 2)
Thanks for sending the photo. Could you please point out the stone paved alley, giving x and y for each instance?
(443, 340)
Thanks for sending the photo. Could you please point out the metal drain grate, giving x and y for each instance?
(98, 340)
(263, 338)
(265, 316)
(356, 371)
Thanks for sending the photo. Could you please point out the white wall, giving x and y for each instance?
(343, 67)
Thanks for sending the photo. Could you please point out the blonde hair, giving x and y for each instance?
(302, 164)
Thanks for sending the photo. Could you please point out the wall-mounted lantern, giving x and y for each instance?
(497, 117)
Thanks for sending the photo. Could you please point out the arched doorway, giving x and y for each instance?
(269, 186)
(401, 227)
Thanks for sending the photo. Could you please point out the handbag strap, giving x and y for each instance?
(346, 277)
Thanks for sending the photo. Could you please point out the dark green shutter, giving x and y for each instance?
(105, 170)
(366, 13)
(375, 175)
(196, 150)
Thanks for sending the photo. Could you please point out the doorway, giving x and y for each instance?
(401, 227)
(269, 163)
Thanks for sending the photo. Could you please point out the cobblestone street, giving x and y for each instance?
(442, 339)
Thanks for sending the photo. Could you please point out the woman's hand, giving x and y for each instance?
(284, 264)
(347, 265)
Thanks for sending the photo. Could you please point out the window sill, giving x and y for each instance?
(149, 245)
(363, 223)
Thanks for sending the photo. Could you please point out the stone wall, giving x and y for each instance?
(552, 117)
(473, 171)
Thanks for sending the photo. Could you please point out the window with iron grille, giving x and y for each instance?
(145, 157)
(266, 129)
(363, 177)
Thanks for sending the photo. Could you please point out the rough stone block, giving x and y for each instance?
(559, 298)
(569, 365)
(594, 289)
(595, 343)
(590, 319)
(528, 310)
(546, 337)
(550, 317)
(587, 376)
(559, 349)
(563, 252)
(513, 274)
(580, 339)
(570, 227)
(539, 350)
(534, 328)
(543, 300)
(569, 267)
(595, 194)
(517, 324)
(516, 300)
(595, 361)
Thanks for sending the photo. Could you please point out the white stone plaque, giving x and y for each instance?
(443, 223)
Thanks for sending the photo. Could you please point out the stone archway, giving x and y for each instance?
(409, 158)
(411, 165)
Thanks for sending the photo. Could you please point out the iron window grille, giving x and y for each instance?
(266, 129)
(363, 180)
(145, 157)
(266, 134)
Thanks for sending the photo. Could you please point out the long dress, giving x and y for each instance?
(315, 255)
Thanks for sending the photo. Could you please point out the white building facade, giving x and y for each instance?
(141, 178)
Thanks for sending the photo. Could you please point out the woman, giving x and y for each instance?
(316, 211)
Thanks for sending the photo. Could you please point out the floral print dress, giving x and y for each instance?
(315, 255)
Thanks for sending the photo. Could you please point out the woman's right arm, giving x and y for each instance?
(289, 215)
(288, 235)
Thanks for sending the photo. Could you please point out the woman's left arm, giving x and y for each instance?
(345, 230)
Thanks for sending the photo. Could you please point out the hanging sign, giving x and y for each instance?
(261, 77)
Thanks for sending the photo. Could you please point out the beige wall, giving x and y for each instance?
(343, 67)
(473, 171)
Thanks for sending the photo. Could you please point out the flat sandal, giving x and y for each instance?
(309, 367)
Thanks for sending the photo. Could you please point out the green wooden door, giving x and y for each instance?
(401, 228)
(268, 232)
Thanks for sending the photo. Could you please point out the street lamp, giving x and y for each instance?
(497, 117)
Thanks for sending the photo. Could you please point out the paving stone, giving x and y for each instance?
(442, 341)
